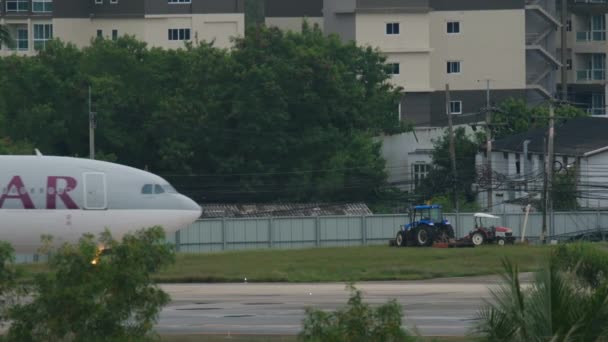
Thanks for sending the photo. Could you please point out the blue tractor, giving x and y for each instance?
(427, 226)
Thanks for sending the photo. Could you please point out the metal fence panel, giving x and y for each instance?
(380, 228)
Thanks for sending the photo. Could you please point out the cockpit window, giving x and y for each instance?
(158, 189)
(148, 189)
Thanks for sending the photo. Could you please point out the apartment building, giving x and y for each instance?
(586, 55)
(160, 23)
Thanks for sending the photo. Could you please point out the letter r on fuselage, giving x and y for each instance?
(53, 193)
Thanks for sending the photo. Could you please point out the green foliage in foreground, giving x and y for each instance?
(357, 322)
(112, 300)
(568, 300)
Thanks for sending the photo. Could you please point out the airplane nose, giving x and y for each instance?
(194, 209)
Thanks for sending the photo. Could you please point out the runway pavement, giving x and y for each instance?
(443, 307)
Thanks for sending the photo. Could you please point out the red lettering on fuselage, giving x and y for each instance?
(16, 190)
(20, 193)
(51, 198)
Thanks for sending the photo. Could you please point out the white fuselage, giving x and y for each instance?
(67, 197)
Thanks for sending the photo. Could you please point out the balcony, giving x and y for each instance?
(588, 6)
(590, 36)
(590, 75)
(600, 111)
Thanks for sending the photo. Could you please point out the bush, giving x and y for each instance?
(567, 300)
(356, 322)
(9, 289)
(113, 299)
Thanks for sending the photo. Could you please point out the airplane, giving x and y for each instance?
(66, 197)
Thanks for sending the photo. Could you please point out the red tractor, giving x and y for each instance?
(484, 233)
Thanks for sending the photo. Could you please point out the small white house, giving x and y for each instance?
(409, 155)
(580, 146)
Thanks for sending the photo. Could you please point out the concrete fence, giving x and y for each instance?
(304, 232)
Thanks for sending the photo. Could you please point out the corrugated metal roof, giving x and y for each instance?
(287, 209)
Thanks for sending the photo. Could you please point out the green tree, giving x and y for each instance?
(516, 116)
(561, 305)
(564, 192)
(7, 146)
(254, 13)
(281, 116)
(5, 36)
(357, 322)
(440, 181)
(113, 299)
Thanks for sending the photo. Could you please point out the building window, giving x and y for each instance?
(454, 67)
(455, 107)
(454, 27)
(42, 6)
(569, 64)
(113, 1)
(392, 28)
(21, 42)
(42, 34)
(420, 172)
(517, 164)
(99, 33)
(178, 1)
(179, 34)
(98, 2)
(394, 69)
(114, 34)
(17, 5)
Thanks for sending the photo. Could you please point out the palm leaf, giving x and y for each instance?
(5, 36)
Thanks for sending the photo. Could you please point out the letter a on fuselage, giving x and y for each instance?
(15, 190)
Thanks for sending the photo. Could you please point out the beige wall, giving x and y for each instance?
(410, 48)
(293, 24)
(154, 29)
(491, 45)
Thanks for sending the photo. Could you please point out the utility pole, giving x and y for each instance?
(564, 50)
(548, 174)
(543, 233)
(489, 145)
(92, 125)
(551, 160)
(448, 100)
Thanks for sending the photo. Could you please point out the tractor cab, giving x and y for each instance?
(426, 214)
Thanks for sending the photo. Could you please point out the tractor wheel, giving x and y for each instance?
(478, 239)
(501, 242)
(424, 236)
(400, 240)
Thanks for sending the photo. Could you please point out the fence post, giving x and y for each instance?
(459, 231)
(598, 219)
(552, 223)
(223, 233)
(317, 231)
(178, 241)
(364, 230)
(271, 233)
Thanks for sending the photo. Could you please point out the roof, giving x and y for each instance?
(484, 215)
(573, 137)
(423, 207)
(284, 210)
